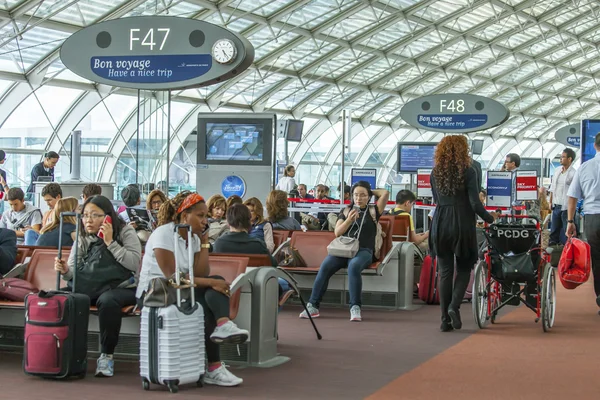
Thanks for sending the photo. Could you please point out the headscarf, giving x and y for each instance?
(190, 200)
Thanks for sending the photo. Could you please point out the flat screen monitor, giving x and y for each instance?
(589, 129)
(477, 147)
(293, 130)
(233, 139)
(414, 156)
(540, 165)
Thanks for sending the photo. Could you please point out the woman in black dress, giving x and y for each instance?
(453, 235)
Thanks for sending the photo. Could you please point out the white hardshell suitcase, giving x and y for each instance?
(172, 338)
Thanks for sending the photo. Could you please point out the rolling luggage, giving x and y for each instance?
(172, 338)
(56, 325)
(428, 283)
(428, 288)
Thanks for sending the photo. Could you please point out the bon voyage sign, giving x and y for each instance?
(526, 182)
(424, 183)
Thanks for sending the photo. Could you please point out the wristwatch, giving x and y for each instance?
(205, 246)
(570, 221)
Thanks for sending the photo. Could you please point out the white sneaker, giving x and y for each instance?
(229, 333)
(355, 314)
(314, 312)
(222, 377)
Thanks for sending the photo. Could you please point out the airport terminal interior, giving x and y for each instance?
(300, 123)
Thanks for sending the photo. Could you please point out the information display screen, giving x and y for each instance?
(229, 141)
(235, 139)
(293, 130)
(414, 156)
(539, 165)
(589, 129)
(477, 147)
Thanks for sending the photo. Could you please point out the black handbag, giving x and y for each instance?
(518, 268)
(289, 256)
(99, 271)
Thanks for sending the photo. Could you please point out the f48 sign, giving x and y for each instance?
(454, 112)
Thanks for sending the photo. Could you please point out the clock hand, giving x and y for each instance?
(224, 53)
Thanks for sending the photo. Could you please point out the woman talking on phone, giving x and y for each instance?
(212, 292)
(349, 222)
(108, 258)
(453, 234)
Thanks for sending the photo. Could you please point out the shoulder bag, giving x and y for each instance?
(289, 256)
(345, 246)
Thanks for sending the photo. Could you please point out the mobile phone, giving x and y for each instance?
(108, 220)
(304, 228)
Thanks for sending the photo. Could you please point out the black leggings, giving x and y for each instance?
(216, 306)
(452, 290)
(109, 315)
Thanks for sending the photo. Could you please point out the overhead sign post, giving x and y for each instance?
(424, 183)
(569, 135)
(364, 174)
(499, 189)
(156, 53)
(526, 185)
(454, 112)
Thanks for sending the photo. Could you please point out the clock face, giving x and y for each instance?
(224, 51)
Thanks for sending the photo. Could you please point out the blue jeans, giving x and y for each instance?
(558, 226)
(331, 265)
(31, 237)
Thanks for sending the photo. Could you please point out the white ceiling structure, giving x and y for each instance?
(315, 58)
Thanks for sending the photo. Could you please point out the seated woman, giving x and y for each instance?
(349, 224)
(50, 233)
(261, 228)
(212, 292)
(155, 199)
(114, 249)
(217, 207)
(277, 208)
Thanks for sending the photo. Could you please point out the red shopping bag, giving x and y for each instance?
(574, 266)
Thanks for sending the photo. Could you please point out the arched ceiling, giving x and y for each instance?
(315, 58)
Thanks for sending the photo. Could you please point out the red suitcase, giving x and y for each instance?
(56, 324)
(428, 288)
(428, 283)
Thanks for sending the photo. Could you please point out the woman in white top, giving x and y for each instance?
(287, 183)
(212, 292)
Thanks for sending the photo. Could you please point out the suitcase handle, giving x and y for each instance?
(76, 244)
(190, 266)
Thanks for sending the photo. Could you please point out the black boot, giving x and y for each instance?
(455, 318)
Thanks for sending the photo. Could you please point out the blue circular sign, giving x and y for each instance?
(233, 185)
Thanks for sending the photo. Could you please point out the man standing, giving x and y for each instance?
(558, 196)
(512, 164)
(586, 186)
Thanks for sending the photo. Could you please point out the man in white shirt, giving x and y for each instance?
(558, 196)
(586, 186)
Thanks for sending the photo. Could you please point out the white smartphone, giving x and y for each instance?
(304, 228)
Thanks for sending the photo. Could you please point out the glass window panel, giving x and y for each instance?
(120, 107)
(29, 123)
(55, 101)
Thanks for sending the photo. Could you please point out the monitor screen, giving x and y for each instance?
(540, 165)
(234, 141)
(477, 147)
(414, 156)
(589, 129)
(293, 130)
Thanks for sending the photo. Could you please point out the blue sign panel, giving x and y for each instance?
(589, 129)
(452, 121)
(499, 189)
(233, 185)
(151, 68)
(364, 174)
(574, 141)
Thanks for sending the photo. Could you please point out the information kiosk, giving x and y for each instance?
(235, 154)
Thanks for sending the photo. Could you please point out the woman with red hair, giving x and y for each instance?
(452, 234)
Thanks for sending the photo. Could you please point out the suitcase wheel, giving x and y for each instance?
(200, 382)
(173, 387)
(145, 384)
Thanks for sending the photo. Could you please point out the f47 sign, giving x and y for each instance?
(526, 185)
